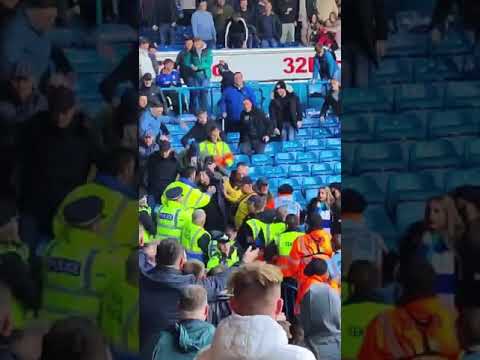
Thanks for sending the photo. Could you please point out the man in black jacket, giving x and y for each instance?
(287, 11)
(364, 32)
(198, 132)
(255, 129)
(285, 111)
(162, 169)
(165, 20)
(161, 287)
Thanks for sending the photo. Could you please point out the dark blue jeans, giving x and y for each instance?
(198, 98)
(166, 34)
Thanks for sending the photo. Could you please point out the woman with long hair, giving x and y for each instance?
(322, 206)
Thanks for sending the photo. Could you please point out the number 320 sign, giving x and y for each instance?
(298, 65)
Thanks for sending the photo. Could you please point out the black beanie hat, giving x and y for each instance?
(281, 85)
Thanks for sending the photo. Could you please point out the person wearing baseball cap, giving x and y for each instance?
(285, 111)
(153, 120)
(262, 188)
(224, 251)
(147, 145)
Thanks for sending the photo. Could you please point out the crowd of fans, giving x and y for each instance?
(246, 23)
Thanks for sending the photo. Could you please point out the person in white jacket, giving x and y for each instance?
(144, 61)
(252, 331)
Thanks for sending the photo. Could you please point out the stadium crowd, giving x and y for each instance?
(245, 23)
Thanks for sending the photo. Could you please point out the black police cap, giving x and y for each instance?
(174, 193)
(83, 212)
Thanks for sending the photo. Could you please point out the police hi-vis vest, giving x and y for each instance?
(273, 230)
(119, 316)
(171, 219)
(119, 224)
(228, 261)
(192, 198)
(190, 235)
(257, 228)
(220, 151)
(147, 238)
(75, 273)
(355, 320)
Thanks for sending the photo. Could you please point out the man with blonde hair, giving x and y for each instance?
(252, 332)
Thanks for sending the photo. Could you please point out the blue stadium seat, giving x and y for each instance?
(356, 100)
(333, 143)
(453, 43)
(306, 157)
(310, 122)
(463, 94)
(393, 71)
(277, 171)
(378, 157)
(176, 129)
(348, 152)
(405, 187)
(337, 167)
(285, 158)
(298, 170)
(433, 155)
(366, 186)
(322, 168)
(472, 152)
(451, 123)
(313, 182)
(406, 44)
(454, 179)
(404, 126)
(242, 158)
(333, 179)
(273, 185)
(233, 137)
(261, 160)
(298, 196)
(435, 69)
(328, 155)
(376, 218)
(292, 146)
(321, 133)
(310, 194)
(356, 128)
(419, 96)
(234, 148)
(304, 133)
(315, 144)
(253, 172)
(273, 147)
(408, 213)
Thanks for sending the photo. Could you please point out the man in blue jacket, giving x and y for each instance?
(153, 120)
(161, 288)
(231, 103)
(325, 67)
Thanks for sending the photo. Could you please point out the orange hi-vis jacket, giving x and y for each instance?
(311, 280)
(421, 329)
(315, 244)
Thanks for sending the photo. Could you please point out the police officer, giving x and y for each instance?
(252, 230)
(78, 266)
(172, 217)
(192, 197)
(195, 238)
(223, 251)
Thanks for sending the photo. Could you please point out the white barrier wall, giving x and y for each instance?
(263, 64)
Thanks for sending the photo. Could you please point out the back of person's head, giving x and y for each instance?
(170, 253)
(74, 338)
(256, 290)
(281, 213)
(188, 173)
(315, 222)
(193, 303)
(469, 327)
(417, 278)
(316, 267)
(363, 277)
(292, 221)
(353, 202)
(199, 217)
(194, 267)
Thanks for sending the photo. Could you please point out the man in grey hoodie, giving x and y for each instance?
(320, 317)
